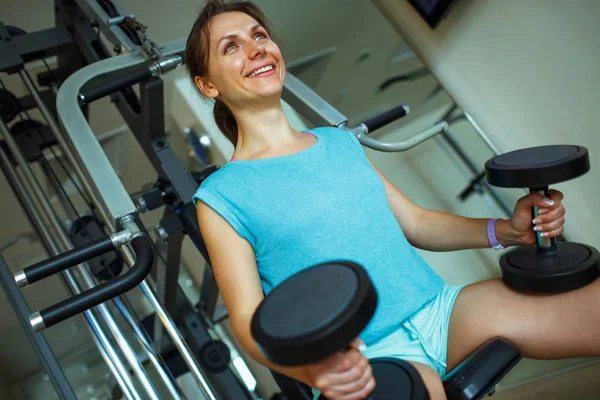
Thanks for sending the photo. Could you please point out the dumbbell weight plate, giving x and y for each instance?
(572, 266)
(315, 313)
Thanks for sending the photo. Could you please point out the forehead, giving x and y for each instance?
(230, 23)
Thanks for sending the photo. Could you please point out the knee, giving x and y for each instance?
(432, 381)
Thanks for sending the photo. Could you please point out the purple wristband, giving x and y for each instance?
(492, 234)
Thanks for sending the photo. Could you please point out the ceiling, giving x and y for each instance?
(361, 44)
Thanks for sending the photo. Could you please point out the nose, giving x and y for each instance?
(256, 49)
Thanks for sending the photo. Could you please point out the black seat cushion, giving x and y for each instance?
(481, 371)
(472, 379)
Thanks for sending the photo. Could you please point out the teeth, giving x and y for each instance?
(260, 70)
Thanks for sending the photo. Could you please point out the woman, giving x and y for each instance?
(290, 199)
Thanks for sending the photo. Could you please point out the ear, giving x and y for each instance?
(206, 87)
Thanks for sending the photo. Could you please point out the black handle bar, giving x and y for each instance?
(385, 118)
(99, 294)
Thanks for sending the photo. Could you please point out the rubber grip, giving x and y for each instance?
(106, 291)
(110, 83)
(64, 261)
(385, 118)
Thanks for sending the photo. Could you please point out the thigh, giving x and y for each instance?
(541, 326)
(432, 381)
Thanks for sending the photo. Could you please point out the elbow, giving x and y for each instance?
(240, 328)
(414, 231)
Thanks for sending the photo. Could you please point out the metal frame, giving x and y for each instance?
(38, 342)
(148, 125)
(25, 197)
(15, 51)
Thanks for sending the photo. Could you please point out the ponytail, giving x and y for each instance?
(226, 121)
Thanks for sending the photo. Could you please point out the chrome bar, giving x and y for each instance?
(153, 355)
(481, 133)
(89, 153)
(102, 342)
(309, 104)
(76, 126)
(52, 218)
(21, 279)
(404, 145)
(175, 335)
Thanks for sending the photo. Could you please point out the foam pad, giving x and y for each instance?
(481, 371)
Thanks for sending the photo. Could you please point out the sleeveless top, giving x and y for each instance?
(321, 204)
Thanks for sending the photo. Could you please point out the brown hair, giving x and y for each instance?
(197, 53)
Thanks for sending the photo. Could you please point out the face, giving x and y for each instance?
(244, 63)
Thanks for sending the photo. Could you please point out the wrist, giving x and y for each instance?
(506, 234)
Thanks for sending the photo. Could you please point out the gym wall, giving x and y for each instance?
(526, 71)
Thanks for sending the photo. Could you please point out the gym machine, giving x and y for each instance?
(87, 72)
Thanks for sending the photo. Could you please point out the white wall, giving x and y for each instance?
(526, 71)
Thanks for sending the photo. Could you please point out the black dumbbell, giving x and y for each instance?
(318, 312)
(549, 266)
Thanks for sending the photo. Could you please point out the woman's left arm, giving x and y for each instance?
(440, 231)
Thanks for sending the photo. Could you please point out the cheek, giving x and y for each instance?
(226, 71)
(274, 50)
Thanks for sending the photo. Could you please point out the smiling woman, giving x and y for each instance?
(289, 200)
(216, 42)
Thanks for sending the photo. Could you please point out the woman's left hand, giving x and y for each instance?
(550, 222)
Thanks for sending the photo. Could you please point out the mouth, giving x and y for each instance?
(265, 70)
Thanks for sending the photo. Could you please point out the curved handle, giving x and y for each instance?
(64, 261)
(404, 145)
(106, 84)
(385, 118)
(99, 294)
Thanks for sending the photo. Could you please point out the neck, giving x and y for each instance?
(262, 130)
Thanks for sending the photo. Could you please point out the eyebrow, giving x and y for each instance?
(234, 35)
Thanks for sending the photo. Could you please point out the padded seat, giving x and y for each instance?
(479, 373)
(475, 377)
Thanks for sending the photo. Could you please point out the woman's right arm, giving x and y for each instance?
(234, 265)
(344, 376)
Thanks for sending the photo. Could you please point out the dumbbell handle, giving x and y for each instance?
(545, 245)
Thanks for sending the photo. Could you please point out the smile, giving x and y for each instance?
(261, 70)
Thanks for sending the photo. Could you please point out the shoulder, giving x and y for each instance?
(338, 136)
(219, 182)
(328, 131)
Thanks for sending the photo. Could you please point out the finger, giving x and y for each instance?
(355, 379)
(339, 363)
(365, 392)
(545, 229)
(359, 394)
(358, 344)
(554, 233)
(550, 215)
(556, 196)
(537, 200)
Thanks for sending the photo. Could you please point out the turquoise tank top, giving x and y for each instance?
(323, 203)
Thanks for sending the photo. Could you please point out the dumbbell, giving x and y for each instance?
(316, 313)
(549, 266)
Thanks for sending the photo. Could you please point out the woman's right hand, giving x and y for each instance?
(344, 376)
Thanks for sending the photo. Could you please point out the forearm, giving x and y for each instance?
(249, 345)
(440, 231)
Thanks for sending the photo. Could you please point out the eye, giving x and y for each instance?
(230, 47)
(260, 36)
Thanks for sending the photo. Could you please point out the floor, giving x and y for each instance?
(579, 384)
